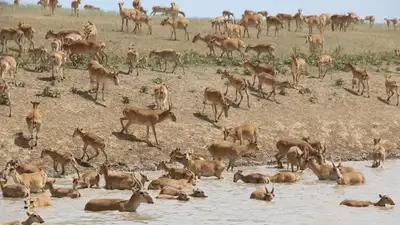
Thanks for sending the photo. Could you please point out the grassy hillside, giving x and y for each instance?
(329, 111)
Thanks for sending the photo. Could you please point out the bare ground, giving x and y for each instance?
(346, 122)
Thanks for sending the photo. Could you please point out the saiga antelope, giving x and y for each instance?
(161, 96)
(253, 178)
(216, 98)
(159, 9)
(34, 121)
(239, 83)
(268, 79)
(175, 173)
(351, 178)
(61, 192)
(124, 13)
(397, 52)
(13, 190)
(93, 48)
(248, 12)
(299, 67)
(62, 34)
(99, 76)
(243, 132)
(217, 23)
(8, 64)
(205, 168)
(378, 154)
(317, 145)
(178, 23)
(116, 204)
(324, 171)
(144, 116)
(91, 139)
(168, 55)
(52, 4)
(228, 46)
(284, 145)
(173, 11)
(62, 158)
(233, 30)
(394, 21)
(324, 63)
(264, 195)
(207, 38)
(298, 17)
(312, 21)
(29, 32)
(198, 193)
(34, 181)
(294, 159)
(4, 88)
(359, 74)
(57, 62)
(22, 167)
(256, 69)
(276, 22)
(75, 7)
(383, 201)
(91, 7)
(90, 31)
(251, 21)
(40, 53)
(315, 41)
(228, 14)
(87, 180)
(324, 20)
(371, 20)
(14, 34)
(138, 23)
(285, 18)
(391, 88)
(132, 59)
(74, 37)
(33, 217)
(261, 48)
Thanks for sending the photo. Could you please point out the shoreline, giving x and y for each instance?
(247, 162)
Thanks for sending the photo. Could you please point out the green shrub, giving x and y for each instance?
(126, 100)
(4, 99)
(49, 92)
(339, 82)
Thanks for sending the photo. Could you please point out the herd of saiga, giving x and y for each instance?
(343, 176)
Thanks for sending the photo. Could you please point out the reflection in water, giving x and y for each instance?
(308, 202)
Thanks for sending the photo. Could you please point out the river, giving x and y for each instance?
(308, 202)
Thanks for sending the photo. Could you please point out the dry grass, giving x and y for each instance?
(329, 112)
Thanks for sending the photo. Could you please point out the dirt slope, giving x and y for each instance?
(346, 122)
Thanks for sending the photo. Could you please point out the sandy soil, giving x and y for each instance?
(346, 122)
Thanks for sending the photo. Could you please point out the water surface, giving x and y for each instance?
(308, 202)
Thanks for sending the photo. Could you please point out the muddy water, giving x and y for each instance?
(308, 202)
